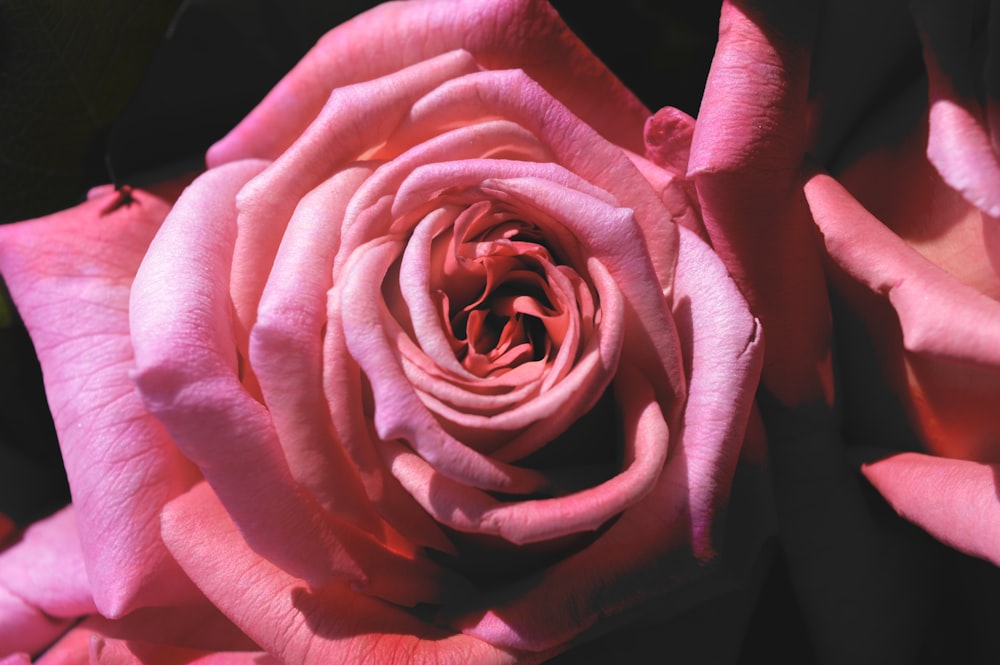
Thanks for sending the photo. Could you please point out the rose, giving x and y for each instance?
(788, 82)
(359, 362)
(911, 232)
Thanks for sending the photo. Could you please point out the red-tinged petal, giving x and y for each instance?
(399, 414)
(661, 543)
(73, 648)
(122, 652)
(668, 134)
(70, 274)
(295, 624)
(960, 144)
(748, 148)
(946, 362)
(956, 501)
(525, 34)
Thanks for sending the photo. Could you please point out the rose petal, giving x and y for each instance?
(956, 501)
(296, 625)
(952, 379)
(653, 547)
(121, 652)
(287, 353)
(354, 119)
(70, 275)
(513, 95)
(748, 147)
(523, 33)
(188, 376)
(959, 143)
(43, 585)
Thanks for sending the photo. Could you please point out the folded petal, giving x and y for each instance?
(188, 375)
(960, 143)
(70, 274)
(956, 501)
(939, 342)
(662, 543)
(748, 147)
(525, 34)
(329, 625)
(43, 584)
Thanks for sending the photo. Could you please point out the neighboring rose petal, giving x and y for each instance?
(121, 652)
(942, 351)
(655, 546)
(956, 501)
(963, 142)
(525, 34)
(43, 584)
(886, 169)
(198, 629)
(748, 146)
(295, 624)
(70, 275)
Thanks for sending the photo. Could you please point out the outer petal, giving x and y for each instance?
(70, 275)
(121, 652)
(525, 34)
(956, 501)
(655, 547)
(748, 147)
(960, 144)
(43, 584)
(940, 341)
(188, 375)
(329, 626)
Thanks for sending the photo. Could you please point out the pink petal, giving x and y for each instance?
(947, 362)
(954, 500)
(16, 659)
(525, 34)
(187, 375)
(894, 180)
(121, 652)
(354, 120)
(675, 522)
(749, 144)
(43, 584)
(298, 625)
(70, 275)
(960, 143)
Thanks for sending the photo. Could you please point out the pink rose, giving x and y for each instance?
(431, 363)
(911, 231)
(790, 82)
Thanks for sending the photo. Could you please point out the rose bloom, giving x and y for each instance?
(910, 227)
(430, 365)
